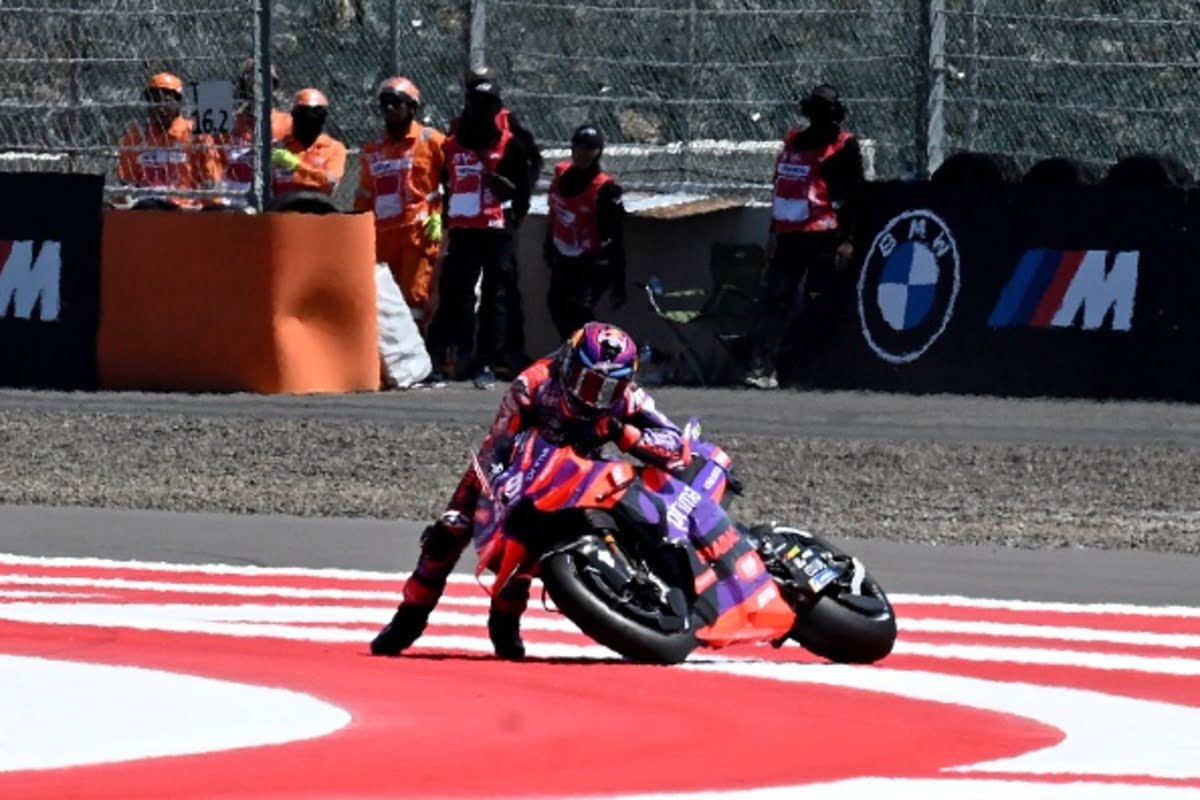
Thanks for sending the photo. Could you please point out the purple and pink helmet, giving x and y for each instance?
(598, 366)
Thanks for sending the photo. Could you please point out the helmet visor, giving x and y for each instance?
(594, 389)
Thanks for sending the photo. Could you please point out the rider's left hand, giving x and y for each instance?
(606, 428)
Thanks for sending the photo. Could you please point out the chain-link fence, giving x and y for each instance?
(705, 89)
(1088, 79)
(692, 94)
(72, 71)
(346, 47)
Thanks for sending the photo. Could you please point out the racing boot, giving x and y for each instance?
(504, 619)
(505, 632)
(441, 545)
(406, 627)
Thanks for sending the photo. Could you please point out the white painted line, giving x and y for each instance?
(1033, 605)
(1105, 734)
(460, 578)
(63, 714)
(209, 569)
(932, 789)
(75, 613)
(20, 594)
(263, 590)
(270, 621)
(1069, 634)
(1059, 658)
(199, 619)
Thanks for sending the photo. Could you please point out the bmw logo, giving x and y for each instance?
(908, 286)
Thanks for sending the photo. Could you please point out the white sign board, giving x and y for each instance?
(212, 106)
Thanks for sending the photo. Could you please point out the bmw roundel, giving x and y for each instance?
(908, 286)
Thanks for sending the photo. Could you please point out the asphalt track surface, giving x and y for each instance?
(1053, 575)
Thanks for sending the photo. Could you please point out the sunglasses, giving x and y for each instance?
(393, 101)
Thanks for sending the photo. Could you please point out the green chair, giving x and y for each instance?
(712, 324)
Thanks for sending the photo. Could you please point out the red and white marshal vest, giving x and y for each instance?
(801, 201)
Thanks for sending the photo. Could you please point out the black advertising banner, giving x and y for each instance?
(1014, 290)
(49, 279)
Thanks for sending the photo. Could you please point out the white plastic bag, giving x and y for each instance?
(405, 361)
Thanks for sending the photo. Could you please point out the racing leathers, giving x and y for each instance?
(533, 400)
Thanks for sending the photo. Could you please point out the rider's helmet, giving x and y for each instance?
(597, 366)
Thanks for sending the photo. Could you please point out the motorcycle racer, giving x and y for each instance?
(582, 395)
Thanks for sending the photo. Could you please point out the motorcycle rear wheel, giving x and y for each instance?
(596, 616)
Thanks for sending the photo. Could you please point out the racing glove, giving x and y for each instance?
(282, 157)
(433, 228)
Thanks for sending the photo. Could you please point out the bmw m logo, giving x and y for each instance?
(908, 286)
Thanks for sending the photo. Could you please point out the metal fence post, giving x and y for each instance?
(74, 52)
(264, 102)
(685, 150)
(477, 41)
(932, 100)
(394, 35)
(974, 9)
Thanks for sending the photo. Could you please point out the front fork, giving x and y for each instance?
(621, 575)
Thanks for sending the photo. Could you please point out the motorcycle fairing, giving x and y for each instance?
(552, 478)
(736, 598)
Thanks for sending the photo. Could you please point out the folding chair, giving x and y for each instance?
(712, 324)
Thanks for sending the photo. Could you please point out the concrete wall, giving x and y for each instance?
(675, 249)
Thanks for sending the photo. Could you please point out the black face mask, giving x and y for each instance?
(477, 128)
(307, 123)
(481, 106)
(821, 122)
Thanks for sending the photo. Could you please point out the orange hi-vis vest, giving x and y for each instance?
(171, 158)
(801, 201)
(320, 169)
(471, 202)
(398, 180)
(575, 225)
(237, 151)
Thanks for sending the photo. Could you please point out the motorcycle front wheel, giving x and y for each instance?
(620, 618)
(848, 627)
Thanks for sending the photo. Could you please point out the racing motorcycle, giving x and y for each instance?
(650, 564)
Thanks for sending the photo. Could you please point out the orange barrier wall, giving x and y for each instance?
(272, 303)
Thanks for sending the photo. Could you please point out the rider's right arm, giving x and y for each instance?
(514, 416)
(517, 409)
(509, 419)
